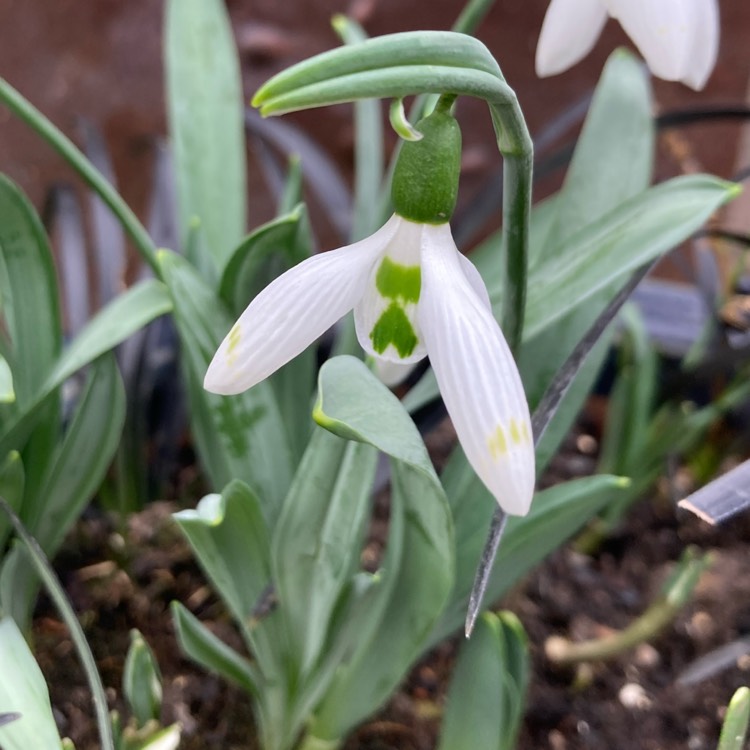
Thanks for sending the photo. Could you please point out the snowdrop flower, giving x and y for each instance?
(413, 295)
(678, 38)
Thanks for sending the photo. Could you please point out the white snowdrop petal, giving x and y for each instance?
(569, 31)
(478, 379)
(661, 31)
(475, 279)
(392, 373)
(703, 48)
(385, 317)
(293, 311)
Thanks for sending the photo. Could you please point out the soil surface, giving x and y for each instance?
(121, 577)
(101, 61)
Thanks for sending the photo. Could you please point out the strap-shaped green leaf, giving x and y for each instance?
(122, 317)
(485, 698)
(204, 98)
(68, 478)
(417, 572)
(77, 467)
(30, 307)
(734, 728)
(611, 164)
(631, 400)
(205, 649)
(23, 691)
(318, 539)
(264, 254)
(141, 680)
(42, 568)
(231, 541)
(11, 488)
(614, 155)
(609, 249)
(238, 437)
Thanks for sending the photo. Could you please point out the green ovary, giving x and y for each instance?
(394, 327)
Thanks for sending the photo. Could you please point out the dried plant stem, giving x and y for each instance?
(678, 591)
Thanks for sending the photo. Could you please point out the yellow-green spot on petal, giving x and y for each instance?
(497, 444)
(515, 431)
(398, 282)
(233, 341)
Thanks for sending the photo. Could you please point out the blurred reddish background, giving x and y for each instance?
(102, 61)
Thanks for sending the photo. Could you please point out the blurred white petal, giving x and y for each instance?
(679, 39)
(661, 31)
(704, 44)
(478, 379)
(475, 279)
(569, 31)
(292, 311)
(386, 316)
(391, 373)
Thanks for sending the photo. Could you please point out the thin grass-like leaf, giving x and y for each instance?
(84, 168)
(57, 594)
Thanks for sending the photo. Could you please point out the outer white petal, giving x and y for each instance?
(478, 378)
(475, 279)
(704, 44)
(569, 31)
(293, 311)
(662, 30)
(404, 249)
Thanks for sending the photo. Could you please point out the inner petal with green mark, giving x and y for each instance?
(386, 317)
(399, 285)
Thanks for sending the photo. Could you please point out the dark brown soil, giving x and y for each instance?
(121, 579)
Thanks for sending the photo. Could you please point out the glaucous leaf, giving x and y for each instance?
(23, 691)
(206, 125)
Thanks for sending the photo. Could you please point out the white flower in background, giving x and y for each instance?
(678, 38)
(413, 294)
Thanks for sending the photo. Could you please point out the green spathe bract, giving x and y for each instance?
(425, 180)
